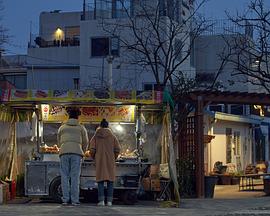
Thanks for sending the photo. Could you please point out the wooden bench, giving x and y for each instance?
(249, 181)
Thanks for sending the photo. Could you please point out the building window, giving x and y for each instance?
(237, 109)
(72, 32)
(76, 83)
(103, 8)
(148, 87)
(19, 81)
(152, 86)
(171, 8)
(122, 8)
(205, 77)
(178, 46)
(217, 108)
(100, 47)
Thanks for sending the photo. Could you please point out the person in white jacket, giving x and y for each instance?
(72, 139)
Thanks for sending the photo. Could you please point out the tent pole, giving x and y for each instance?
(38, 132)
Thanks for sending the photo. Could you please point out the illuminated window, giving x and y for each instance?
(76, 83)
(72, 32)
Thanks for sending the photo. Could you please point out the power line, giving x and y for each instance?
(59, 62)
(116, 68)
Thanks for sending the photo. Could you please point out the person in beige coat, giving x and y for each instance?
(73, 139)
(104, 148)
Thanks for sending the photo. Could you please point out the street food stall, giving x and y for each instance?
(130, 113)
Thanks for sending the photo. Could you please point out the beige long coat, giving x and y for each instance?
(104, 147)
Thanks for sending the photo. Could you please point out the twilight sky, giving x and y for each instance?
(18, 14)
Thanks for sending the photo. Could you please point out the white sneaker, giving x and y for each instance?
(109, 203)
(101, 203)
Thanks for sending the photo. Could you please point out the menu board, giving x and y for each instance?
(51, 113)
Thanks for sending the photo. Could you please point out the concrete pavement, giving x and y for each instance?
(228, 201)
(189, 207)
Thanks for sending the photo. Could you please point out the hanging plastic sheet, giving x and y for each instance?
(15, 148)
(167, 152)
(5, 152)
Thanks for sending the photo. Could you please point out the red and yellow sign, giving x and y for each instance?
(116, 97)
(90, 114)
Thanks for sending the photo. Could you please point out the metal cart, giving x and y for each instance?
(42, 178)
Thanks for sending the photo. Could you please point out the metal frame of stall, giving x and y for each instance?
(44, 170)
(123, 169)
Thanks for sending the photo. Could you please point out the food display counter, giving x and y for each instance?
(42, 176)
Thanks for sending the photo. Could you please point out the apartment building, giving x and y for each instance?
(73, 49)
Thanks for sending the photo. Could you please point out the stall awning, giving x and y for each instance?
(81, 96)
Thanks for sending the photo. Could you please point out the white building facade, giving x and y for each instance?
(241, 131)
(53, 59)
(73, 50)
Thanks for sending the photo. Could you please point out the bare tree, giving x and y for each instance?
(249, 51)
(155, 37)
(4, 37)
(158, 37)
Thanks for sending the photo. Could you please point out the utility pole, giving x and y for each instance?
(110, 78)
(30, 43)
(83, 15)
(95, 9)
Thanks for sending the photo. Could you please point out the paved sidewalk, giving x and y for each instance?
(228, 201)
(189, 207)
(232, 192)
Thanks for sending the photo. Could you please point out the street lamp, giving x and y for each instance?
(110, 78)
(113, 52)
(59, 35)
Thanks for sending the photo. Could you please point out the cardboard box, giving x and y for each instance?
(154, 171)
(155, 185)
(151, 184)
(146, 182)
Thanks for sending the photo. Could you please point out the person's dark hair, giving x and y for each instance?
(104, 123)
(73, 112)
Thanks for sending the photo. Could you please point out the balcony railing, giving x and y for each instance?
(40, 42)
(226, 27)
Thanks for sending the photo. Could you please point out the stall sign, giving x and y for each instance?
(18, 94)
(90, 114)
(132, 96)
(53, 113)
(40, 94)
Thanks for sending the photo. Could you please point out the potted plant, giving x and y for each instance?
(236, 178)
(225, 179)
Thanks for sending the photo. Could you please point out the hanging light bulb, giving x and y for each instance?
(119, 128)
